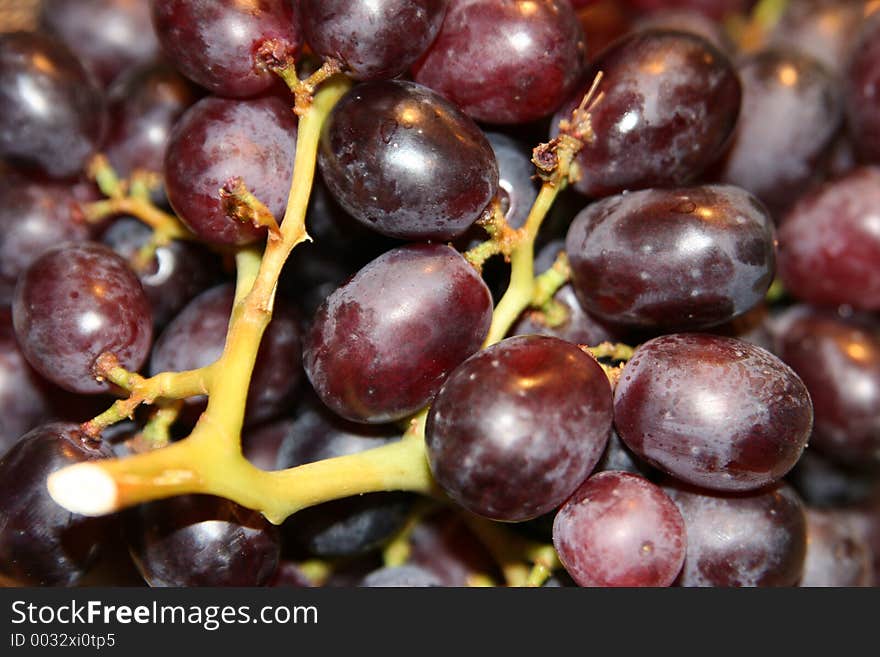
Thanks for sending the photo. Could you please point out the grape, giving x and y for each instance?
(401, 576)
(52, 113)
(713, 411)
(754, 539)
(507, 61)
(176, 274)
(716, 9)
(684, 259)
(215, 42)
(196, 337)
(260, 445)
(404, 349)
(34, 217)
(824, 484)
(517, 427)
(145, 103)
(671, 101)
(366, 35)
(42, 544)
(839, 361)
(829, 244)
(791, 112)
(344, 527)
(618, 529)
(108, 36)
(836, 554)
(406, 162)
(200, 540)
(74, 303)
(687, 20)
(217, 140)
(865, 519)
(24, 395)
(517, 187)
(288, 575)
(822, 29)
(443, 544)
(862, 84)
(619, 458)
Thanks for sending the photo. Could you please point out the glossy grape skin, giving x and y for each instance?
(401, 576)
(406, 162)
(507, 61)
(746, 540)
(217, 140)
(791, 112)
(685, 259)
(517, 427)
(35, 217)
(618, 529)
(863, 93)
(196, 336)
(74, 303)
(713, 411)
(24, 395)
(200, 540)
(418, 311)
(176, 274)
(145, 103)
(52, 112)
(671, 101)
(215, 42)
(41, 543)
(366, 36)
(108, 36)
(836, 554)
(839, 361)
(829, 243)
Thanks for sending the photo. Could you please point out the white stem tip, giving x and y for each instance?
(84, 488)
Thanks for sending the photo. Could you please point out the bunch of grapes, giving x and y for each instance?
(440, 293)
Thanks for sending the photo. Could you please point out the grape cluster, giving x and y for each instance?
(440, 293)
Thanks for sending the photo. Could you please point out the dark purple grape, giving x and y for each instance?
(200, 540)
(260, 445)
(196, 337)
(837, 555)
(145, 103)
(829, 244)
(289, 575)
(401, 576)
(839, 361)
(406, 162)
(682, 259)
(108, 36)
(619, 458)
(791, 112)
(517, 186)
(822, 29)
(824, 484)
(746, 540)
(865, 519)
(505, 61)
(381, 345)
(52, 112)
(215, 43)
(687, 20)
(348, 526)
(517, 427)
(74, 303)
(671, 101)
(618, 529)
(713, 411)
(34, 217)
(217, 140)
(443, 544)
(42, 544)
(863, 93)
(368, 36)
(24, 395)
(176, 274)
